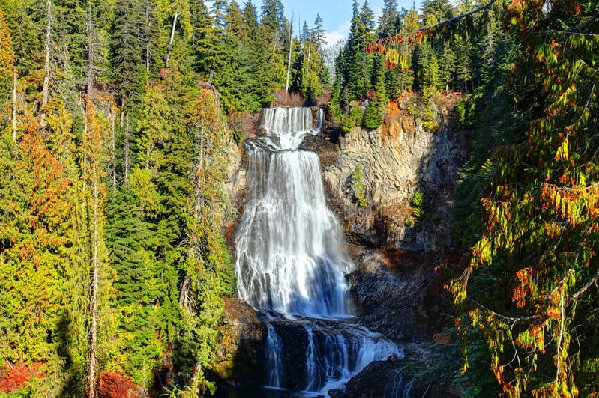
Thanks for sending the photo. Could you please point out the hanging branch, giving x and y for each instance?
(380, 44)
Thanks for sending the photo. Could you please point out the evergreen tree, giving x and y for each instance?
(234, 22)
(207, 42)
(273, 22)
(250, 21)
(219, 11)
(359, 63)
(389, 21)
(128, 49)
(373, 116)
(436, 11)
(319, 34)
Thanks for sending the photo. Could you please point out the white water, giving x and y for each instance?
(289, 257)
(291, 262)
(273, 357)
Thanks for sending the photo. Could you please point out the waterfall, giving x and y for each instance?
(289, 257)
(273, 359)
(291, 263)
(400, 387)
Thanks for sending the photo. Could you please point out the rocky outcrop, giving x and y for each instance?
(399, 294)
(390, 164)
(380, 379)
(242, 351)
(392, 378)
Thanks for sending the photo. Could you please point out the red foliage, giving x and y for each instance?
(15, 376)
(117, 385)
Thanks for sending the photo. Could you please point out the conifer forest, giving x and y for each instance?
(121, 122)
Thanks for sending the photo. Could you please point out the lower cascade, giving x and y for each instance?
(291, 265)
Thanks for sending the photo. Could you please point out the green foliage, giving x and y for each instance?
(418, 199)
(124, 110)
(142, 245)
(373, 116)
(532, 266)
(129, 47)
(418, 203)
(358, 187)
(463, 113)
(352, 119)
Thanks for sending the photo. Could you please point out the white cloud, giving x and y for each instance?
(341, 33)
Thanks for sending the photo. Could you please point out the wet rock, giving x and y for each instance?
(379, 379)
(389, 379)
(293, 337)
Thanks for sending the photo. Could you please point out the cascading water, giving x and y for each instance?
(291, 265)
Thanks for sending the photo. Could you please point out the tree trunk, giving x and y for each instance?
(289, 58)
(93, 300)
(127, 154)
(14, 105)
(93, 349)
(90, 51)
(172, 38)
(46, 84)
(148, 27)
(113, 147)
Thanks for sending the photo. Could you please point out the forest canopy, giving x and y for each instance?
(117, 123)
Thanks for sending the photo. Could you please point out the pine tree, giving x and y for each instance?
(219, 11)
(319, 34)
(273, 22)
(207, 42)
(234, 22)
(373, 116)
(250, 20)
(389, 21)
(128, 49)
(359, 63)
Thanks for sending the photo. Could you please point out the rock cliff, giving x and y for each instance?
(389, 166)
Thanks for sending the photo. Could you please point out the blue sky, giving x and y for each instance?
(336, 14)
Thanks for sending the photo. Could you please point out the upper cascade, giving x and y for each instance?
(290, 259)
(285, 128)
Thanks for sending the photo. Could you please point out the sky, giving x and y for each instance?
(335, 14)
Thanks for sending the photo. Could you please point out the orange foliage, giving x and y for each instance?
(16, 376)
(117, 385)
(393, 108)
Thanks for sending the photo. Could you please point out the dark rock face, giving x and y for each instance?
(389, 379)
(399, 294)
(379, 379)
(243, 348)
(294, 338)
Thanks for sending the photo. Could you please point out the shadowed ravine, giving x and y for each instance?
(291, 265)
